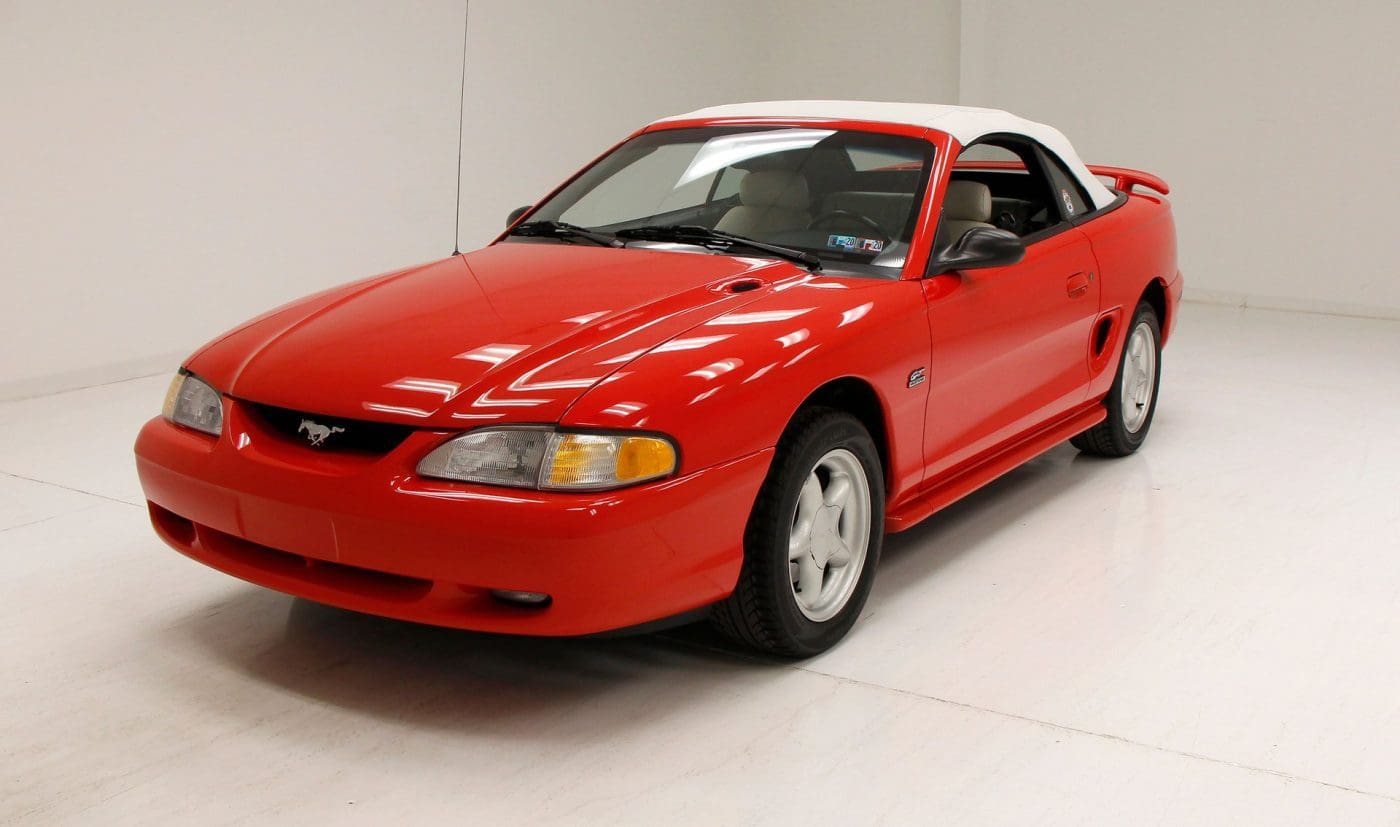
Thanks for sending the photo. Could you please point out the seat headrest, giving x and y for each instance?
(774, 188)
(967, 201)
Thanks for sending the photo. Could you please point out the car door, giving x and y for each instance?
(1010, 345)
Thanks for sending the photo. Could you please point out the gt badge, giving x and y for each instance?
(316, 433)
(916, 377)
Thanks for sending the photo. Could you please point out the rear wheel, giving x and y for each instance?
(1132, 400)
(813, 540)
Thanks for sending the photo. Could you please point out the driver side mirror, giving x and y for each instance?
(516, 213)
(979, 247)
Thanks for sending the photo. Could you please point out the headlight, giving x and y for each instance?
(540, 457)
(192, 403)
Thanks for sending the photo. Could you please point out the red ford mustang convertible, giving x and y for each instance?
(706, 375)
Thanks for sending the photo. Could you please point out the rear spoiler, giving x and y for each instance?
(1125, 179)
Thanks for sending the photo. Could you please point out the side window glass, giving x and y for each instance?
(1069, 195)
(1019, 195)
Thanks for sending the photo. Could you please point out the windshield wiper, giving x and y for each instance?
(704, 236)
(560, 229)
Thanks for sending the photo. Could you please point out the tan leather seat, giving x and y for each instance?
(966, 205)
(770, 201)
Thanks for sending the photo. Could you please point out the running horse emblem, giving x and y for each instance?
(316, 433)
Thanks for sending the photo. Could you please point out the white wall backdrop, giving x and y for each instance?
(168, 168)
(1274, 123)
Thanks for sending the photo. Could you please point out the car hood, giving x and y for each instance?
(514, 332)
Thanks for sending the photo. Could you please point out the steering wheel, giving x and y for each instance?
(831, 215)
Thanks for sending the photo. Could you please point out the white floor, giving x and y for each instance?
(1207, 632)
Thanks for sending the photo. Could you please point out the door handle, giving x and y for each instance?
(1078, 284)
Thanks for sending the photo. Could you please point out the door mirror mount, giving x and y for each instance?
(516, 213)
(980, 247)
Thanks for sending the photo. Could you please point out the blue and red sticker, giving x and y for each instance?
(855, 243)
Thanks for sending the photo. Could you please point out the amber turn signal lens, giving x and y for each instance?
(606, 460)
(643, 457)
(167, 409)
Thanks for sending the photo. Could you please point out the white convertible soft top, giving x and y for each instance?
(966, 123)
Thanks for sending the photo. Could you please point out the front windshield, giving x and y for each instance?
(851, 198)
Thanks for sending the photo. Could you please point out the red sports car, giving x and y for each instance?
(703, 376)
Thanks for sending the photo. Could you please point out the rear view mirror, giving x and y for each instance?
(516, 213)
(980, 247)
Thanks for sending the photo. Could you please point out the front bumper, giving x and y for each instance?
(367, 534)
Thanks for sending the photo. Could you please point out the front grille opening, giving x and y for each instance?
(171, 524)
(378, 585)
(330, 434)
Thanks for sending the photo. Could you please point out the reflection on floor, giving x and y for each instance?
(1205, 633)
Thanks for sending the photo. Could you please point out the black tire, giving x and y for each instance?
(763, 613)
(1111, 438)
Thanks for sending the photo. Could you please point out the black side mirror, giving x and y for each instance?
(516, 213)
(979, 247)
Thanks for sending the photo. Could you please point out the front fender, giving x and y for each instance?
(728, 387)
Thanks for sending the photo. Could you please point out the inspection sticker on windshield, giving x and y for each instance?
(850, 242)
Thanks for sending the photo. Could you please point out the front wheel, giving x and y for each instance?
(813, 539)
(1132, 400)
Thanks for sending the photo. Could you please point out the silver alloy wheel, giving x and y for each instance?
(1139, 377)
(830, 535)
